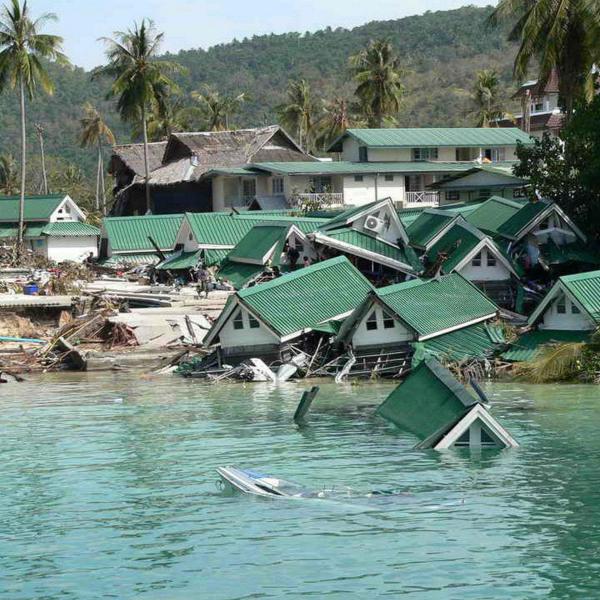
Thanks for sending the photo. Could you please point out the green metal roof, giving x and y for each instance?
(131, 259)
(477, 341)
(348, 215)
(369, 243)
(493, 213)
(239, 274)
(529, 344)
(526, 214)
(183, 260)
(435, 305)
(32, 230)
(131, 233)
(427, 225)
(585, 287)
(363, 168)
(427, 401)
(259, 242)
(214, 257)
(308, 296)
(37, 208)
(70, 229)
(462, 137)
(504, 169)
(576, 252)
(9, 230)
(458, 242)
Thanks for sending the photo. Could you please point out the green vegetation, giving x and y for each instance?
(487, 98)
(298, 113)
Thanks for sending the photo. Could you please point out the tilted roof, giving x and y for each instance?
(433, 306)
(37, 208)
(259, 242)
(427, 225)
(181, 260)
(493, 213)
(526, 346)
(132, 155)
(239, 274)
(307, 297)
(130, 234)
(427, 401)
(435, 137)
(457, 243)
(70, 229)
(523, 217)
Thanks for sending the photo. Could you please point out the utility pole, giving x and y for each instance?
(40, 132)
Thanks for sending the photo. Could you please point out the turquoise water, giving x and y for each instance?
(107, 490)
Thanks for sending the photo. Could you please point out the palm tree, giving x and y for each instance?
(214, 109)
(378, 75)
(557, 34)
(23, 50)
(337, 117)
(9, 177)
(94, 131)
(166, 119)
(485, 98)
(40, 132)
(298, 113)
(141, 81)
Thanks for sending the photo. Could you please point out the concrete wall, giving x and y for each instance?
(390, 154)
(552, 319)
(237, 338)
(363, 337)
(71, 248)
(218, 191)
(499, 272)
(350, 150)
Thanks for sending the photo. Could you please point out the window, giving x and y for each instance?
(476, 260)
(487, 441)
(372, 322)
(519, 193)
(190, 236)
(491, 259)
(464, 440)
(485, 194)
(561, 306)
(358, 178)
(424, 153)
(575, 309)
(389, 177)
(249, 188)
(494, 154)
(452, 196)
(254, 324)
(277, 184)
(363, 154)
(238, 321)
(388, 321)
(466, 154)
(320, 184)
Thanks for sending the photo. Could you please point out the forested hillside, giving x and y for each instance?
(441, 53)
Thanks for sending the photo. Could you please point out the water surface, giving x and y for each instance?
(107, 490)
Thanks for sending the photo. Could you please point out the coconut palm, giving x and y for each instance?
(557, 34)
(337, 117)
(141, 81)
(94, 131)
(213, 109)
(23, 50)
(485, 98)
(298, 113)
(9, 177)
(378, 75)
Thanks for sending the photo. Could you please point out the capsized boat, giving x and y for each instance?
(259, 484)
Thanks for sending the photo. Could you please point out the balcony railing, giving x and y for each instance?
(321, 198)
(421, 199)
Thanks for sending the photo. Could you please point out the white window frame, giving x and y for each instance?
(277, 185)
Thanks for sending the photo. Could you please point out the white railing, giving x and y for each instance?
(421, 199)
(322, 198)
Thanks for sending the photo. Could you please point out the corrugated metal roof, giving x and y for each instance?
(182, 260)
(131, 233)
(529, 344)
(435, 305)
(130, 259)
(456, 243)
(362, 168)
(427, 225)
(70, 229)
(493, 213)
(214, 257)
(525, 215)
(309, 296)
(239, 274)
(442, 136)
(37, 208)
(585, 287)
(259, 241)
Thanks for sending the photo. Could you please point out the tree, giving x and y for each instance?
(559, 35)
(40, 132)
(94, 131)
(378, 76)
(485, 97)
(165, 119)
(9, 177)
(214, 109)
(23, 50)
(141, 81)
(299, 113)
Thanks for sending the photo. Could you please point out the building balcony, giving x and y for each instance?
(320, 199)
(421, 199)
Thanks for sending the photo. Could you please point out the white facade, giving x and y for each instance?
(71, 248)
(241, 329)
(566, 314)
(378, 328)
(485, 266)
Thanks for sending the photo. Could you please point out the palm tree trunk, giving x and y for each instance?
(146, 167)
(43, 154)
(19, 248)
(98, 174)
(102, 186)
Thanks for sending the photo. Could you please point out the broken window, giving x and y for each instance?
(254, 324)
(476, 260)
(372, 322)
(238, 321)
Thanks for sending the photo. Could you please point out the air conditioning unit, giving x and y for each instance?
(375, 224)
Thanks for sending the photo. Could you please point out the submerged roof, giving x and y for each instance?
(427, 401)
(304, 298)
(526, 346)
(435, 137)
(493, 213)
(433, 306)
(37, 208)
(130, 234)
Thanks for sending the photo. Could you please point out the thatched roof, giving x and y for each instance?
(132, 156)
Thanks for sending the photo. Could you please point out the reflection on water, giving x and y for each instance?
(108, 491)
